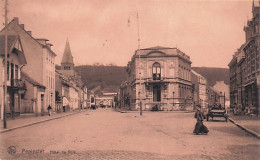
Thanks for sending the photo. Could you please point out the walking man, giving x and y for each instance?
(49, 110)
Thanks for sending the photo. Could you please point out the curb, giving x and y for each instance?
(253, 133)
(135, 111)
(37, 122)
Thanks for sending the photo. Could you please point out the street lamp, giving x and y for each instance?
(5, 68)
(139, 58)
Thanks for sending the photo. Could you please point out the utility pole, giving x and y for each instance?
(5, 64)
(139, 102)
(139, 66)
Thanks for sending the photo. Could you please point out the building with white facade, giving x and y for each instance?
(70, 91)
(200, 92)
(159, 77)
(15, 86)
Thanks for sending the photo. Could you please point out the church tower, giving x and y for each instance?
(67, 64)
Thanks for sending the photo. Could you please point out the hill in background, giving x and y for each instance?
(213, 74)
(108, 78)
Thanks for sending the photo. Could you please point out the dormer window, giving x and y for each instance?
(156, 71)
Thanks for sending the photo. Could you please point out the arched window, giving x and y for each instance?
(156, 71)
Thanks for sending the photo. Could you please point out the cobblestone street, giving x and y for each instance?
(107, 134)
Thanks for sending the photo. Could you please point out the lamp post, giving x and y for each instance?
(139, 62)
(5, 68)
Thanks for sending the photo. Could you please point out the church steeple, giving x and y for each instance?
(67, 59)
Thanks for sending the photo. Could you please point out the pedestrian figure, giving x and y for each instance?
(200, 127)
(49, 110)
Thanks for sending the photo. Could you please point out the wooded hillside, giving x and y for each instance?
(108, 78)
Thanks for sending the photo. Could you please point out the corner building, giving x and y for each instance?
(252, 68)
(245, 68)
(160, 77)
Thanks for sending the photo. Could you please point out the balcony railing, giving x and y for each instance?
(17, 83)
(161, 80)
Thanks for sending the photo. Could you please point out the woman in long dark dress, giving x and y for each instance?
(200, 127)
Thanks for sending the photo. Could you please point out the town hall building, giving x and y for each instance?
(159, 78)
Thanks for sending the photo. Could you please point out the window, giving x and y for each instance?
(16, 72)
(8, 71)
(23, 96)
(156, 71)
(92, 100)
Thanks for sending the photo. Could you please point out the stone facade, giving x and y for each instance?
(245, 69)
(203, 94)
(159, 77)
(199, 89)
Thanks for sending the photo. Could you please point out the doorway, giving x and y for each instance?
(157, 93)
(42, 104)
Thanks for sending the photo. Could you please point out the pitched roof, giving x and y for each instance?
(157, 48)
(16, 21)
(31, 80)
(162, 51)
(11, 39)
(67, 57)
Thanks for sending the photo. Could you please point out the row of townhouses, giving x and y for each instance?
(162, 77)
(245, 69)
(33, 83)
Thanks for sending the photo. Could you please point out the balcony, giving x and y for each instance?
(157, 80)
(17, 84)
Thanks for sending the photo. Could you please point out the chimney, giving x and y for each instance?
(42, 41)
(49, 45)
(16, 19)
(29, 32)
(22, 25)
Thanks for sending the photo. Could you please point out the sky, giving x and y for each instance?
(106, 31)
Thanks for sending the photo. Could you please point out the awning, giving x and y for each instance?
(249, 83)
(65, 101)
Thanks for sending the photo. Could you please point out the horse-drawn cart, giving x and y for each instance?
(217, 113)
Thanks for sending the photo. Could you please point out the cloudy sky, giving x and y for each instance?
(105, 31)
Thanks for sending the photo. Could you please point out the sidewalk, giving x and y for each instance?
(25, 120)
(247, 123)
(124, 110)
